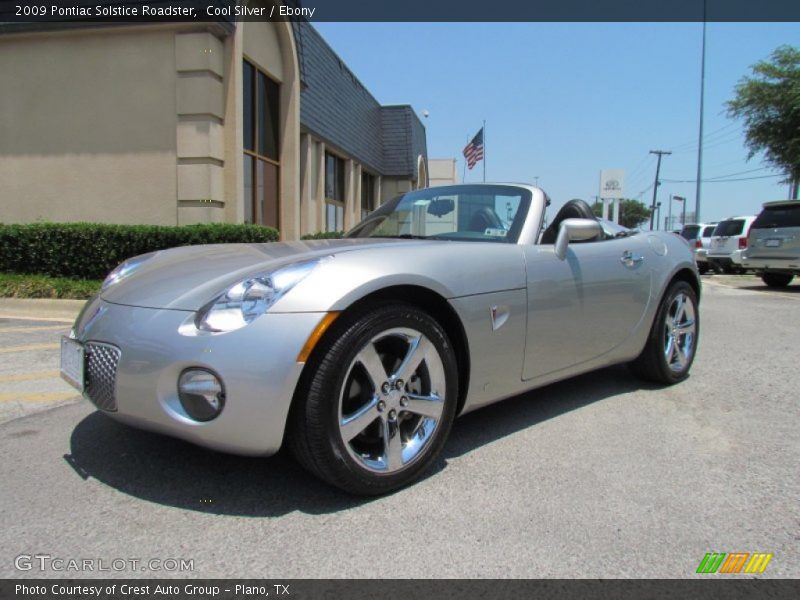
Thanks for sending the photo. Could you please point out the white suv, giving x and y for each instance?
(773, 248)
(727, 243)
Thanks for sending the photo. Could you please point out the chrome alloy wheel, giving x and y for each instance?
(392, 400)
(680, 327)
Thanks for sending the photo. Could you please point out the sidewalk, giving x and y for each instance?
(41, 309)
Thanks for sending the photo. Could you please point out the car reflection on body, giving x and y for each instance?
(359, 353)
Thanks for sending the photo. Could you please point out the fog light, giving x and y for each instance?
(201, 393)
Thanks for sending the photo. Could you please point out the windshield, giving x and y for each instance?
(483, 213)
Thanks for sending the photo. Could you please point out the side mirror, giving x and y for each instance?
(575, 230)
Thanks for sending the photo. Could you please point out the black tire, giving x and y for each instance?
(777, 280)
(652, 363)
(335, 370)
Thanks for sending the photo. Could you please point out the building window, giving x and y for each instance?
(261, 111)
(367, 194)
(334, 193)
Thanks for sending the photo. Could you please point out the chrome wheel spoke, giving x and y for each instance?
(392, 445)
(685, 327)
(418, 350)
(427, 406)
(369, 359)
(680, 308)
(353, 424)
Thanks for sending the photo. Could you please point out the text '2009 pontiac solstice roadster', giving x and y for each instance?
(359, 353)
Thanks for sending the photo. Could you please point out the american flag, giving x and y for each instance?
(473, 151)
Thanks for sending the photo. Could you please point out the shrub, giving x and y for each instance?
(324, 235)
(91, 250)
(42, 286)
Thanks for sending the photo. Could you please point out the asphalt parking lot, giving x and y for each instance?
(600, 476)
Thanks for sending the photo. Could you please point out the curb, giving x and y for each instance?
(46, 309)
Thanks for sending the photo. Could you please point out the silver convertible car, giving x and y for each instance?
(359, 353)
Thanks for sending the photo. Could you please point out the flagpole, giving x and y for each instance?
(464, 174)
(484, 151)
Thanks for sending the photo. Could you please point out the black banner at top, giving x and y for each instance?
(20, 12)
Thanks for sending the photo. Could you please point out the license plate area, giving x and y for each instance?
(72, 362)
(772, 243)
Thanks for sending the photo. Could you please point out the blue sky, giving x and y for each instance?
(564, 100)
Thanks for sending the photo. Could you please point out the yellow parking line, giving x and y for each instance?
(27, 348)
(38, 397)
(29, 376)
(37, 328)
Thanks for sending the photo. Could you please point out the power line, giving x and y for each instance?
(721, 180)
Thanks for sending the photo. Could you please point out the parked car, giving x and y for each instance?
(358, 353)
(699, 236)
(773, 248)
(727, 243)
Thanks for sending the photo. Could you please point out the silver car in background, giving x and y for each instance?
(359, 353)
(773, 248)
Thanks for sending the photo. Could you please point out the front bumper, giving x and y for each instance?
(256, 363)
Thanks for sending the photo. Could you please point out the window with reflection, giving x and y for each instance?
(367, 194)
(261, 111)
(334, 193)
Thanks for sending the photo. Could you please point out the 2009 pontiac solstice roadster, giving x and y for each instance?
(360, 352)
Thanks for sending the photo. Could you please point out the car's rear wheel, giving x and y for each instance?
(670, 349)
(377, 404)
(777, 280)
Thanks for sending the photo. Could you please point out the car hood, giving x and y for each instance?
(188, 277)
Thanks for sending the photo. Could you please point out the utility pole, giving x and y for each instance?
(660, 153)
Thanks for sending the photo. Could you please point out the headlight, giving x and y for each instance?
(125, 269)
(251, 298)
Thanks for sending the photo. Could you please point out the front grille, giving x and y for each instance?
(101, 374)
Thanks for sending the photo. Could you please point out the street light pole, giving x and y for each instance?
(682, 200)
(698, 188)
(670, 214)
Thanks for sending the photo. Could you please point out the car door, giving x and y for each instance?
(586, 305)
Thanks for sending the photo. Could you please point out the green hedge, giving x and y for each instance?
(91, 250)
(42, 286)
(324, 235)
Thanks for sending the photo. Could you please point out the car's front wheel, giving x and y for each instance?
(671, 345)
(777, 280)
(376, 406)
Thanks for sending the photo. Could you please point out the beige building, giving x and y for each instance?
(441, 171)
(194, 123)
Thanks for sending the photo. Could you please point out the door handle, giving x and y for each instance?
(629, 259)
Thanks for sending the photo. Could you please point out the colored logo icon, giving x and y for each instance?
(735, 562)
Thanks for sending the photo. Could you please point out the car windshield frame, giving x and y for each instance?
(373, 221)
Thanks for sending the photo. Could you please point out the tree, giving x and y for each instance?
(769, 104)
(632, 213)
